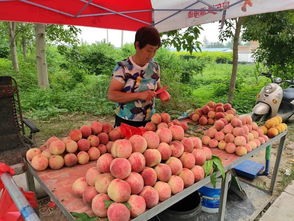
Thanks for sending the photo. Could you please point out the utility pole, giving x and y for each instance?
(107, 36)
(122, 38)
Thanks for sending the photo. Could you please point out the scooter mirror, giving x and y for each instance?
(278, 80)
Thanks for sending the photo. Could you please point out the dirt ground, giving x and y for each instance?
(60, 127)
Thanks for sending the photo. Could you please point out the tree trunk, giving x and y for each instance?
(235, 60)
(41, 56)
(24, 47)
(12, 45)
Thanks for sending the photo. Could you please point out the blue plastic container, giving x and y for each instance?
(210, 197)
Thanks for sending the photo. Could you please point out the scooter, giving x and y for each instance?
(272, 100)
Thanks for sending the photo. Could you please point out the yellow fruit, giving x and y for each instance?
(264, 129)
(280, 119)
(270, 123)
(272, 132)
(285, 125)
(280, 128)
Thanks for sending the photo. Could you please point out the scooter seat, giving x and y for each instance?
(288, 94)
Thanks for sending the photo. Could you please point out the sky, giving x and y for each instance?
(92, 35)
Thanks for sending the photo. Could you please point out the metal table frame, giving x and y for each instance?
(187, 191)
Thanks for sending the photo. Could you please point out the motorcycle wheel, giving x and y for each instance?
(257, 117)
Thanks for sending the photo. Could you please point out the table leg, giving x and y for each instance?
(224, 194)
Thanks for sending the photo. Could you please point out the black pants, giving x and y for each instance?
(119, 120)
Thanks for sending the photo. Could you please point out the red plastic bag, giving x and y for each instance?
(128, 131)
(9, 211)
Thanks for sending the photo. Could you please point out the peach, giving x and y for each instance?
(102, 182)
(163, 172)
(176, 184)
(200, 156)
(49, 141)
(241, 150)
(203, 120)
(71, 146)
(238, 131)
(136, 182)
(196, 142)
(139, 143)
(32, 152)
(164, 150)
(177, 148)
(108, 147)
(165, 117)
(211, 114)
(118, 212)
(115, 134)
(230, 148)
(176, 122)
(162, 125)
(57, 147)
(89, 193)
(103, 163)
(86, 131)
(91, 175)
(264, 129)
(219, 125)
(219, 115)
(198, 172)
(152, 157)
(46, 153)
(211, 104)
(225, 121)
(222, 144)
(261, 139)
(150, 195)
(248, 148)
(229, 117)
(207, 152)
(149, 176)
(250, 136)
(184, 125)
(84, 145)
(150, 126)
(96, 127)
(229, 138)
(245, 129)
(228, 129)
(205, 109)
(254, 126)
(107, 127)
(164, 134)
(187, 176)
(94, 140)
(188, 160)
(152, 139)
(120, 168)
(195, 117)
(211, 132)
(240, 141)
(213, 143)
(177, 132)
(252, 144)
(188, 144)
(236, 122)
(210, 121)
(98, 205)
(257, 141)
(156, 118)
(219, 109)
(40, 162)
(205, 140)
(83, 157)
(121, 148)
(255, 133)
(219, 136)
(79, 186)
(137, 161)
(94, 153)
(175, 164)
(138, 205)
(163, 189)
(227, 106)
(75, 135)
(119, 190)
(70, 159)
(103, 149)
(103, 138)
(56, 162)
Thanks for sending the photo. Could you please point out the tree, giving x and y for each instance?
(275, 34)
(12, 44)
(183, 39)
(232, 29)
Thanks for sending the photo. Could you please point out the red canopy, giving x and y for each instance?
(131, 14)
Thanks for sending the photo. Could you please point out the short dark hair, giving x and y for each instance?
(147, 35)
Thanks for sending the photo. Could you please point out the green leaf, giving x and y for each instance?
(108, 203)
(213, 179)
(208, 167)
(127, 205)
(218, 163)
(84, 217)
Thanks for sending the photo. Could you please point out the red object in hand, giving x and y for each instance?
(161, 90)
(164, 96)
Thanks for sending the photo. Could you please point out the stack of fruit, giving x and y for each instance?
(211, 112)
(274, 126)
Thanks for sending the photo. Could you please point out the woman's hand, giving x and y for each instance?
(147, 95)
